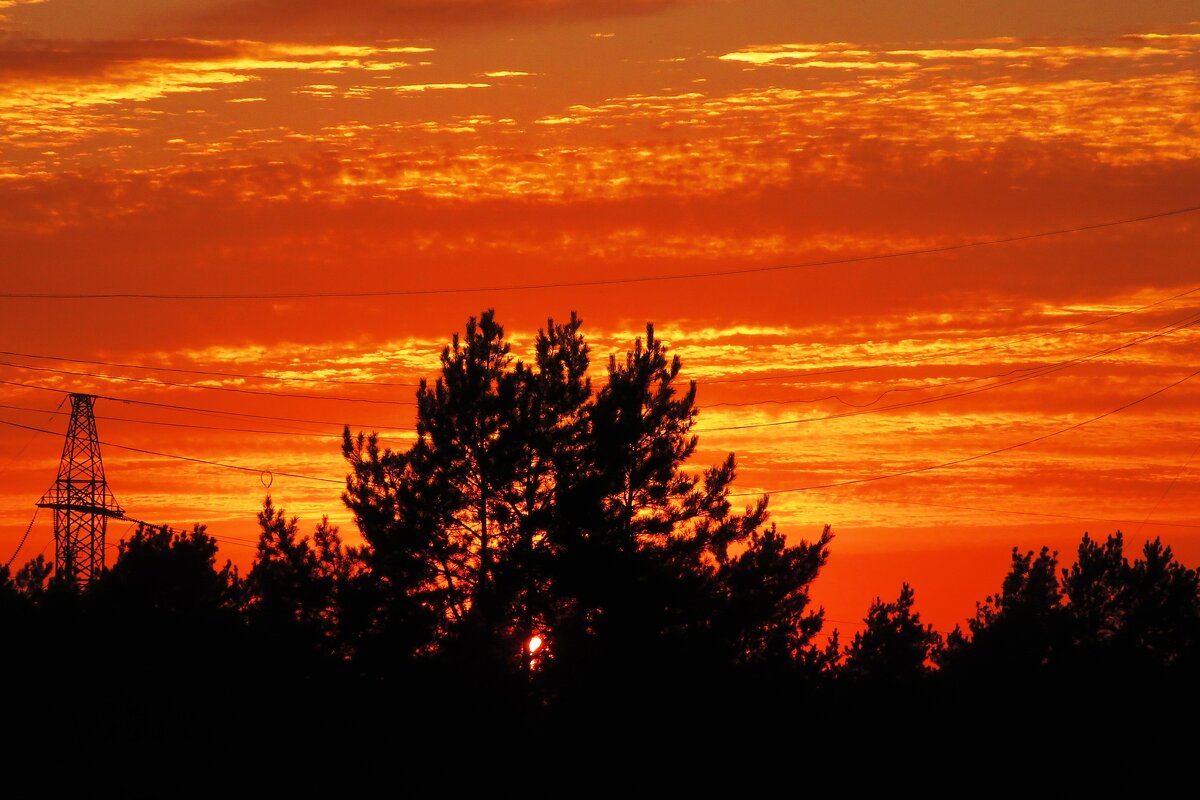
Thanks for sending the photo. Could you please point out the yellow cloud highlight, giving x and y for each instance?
(355, 51)
(769, 56)
(427, 87)
(56, 109)
(810, 123)
(1057, 53)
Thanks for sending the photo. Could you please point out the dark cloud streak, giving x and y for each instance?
(30, 57)
(322, 19)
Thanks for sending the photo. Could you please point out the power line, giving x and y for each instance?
(893, 254)
(1042, 371)
(171, 529)
(1171, 485)
(976, 457)
(878, 397)
(209, 373)
(919, 359)
(206, 462)
(178, 457)
(810, 373)
(714, 381)
(1038, 371)
(21, 451)
(225, 429)
(1038, 514)
(21, 543)
(227, 540)
(233, 389)
(215, 412)
(199, 410)
(222, 428)
(952, 353)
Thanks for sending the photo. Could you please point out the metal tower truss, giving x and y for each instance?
(81, 499)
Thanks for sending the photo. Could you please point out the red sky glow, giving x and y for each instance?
(445, 150)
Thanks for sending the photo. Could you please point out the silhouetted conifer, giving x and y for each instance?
(531, 505)
(894, 649)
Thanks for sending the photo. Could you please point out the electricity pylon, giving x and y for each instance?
(81, 499)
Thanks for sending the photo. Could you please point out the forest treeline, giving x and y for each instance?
(545, 554)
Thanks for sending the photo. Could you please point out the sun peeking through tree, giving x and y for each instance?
(532, 505)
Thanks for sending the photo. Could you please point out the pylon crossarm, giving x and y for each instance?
(115, 513)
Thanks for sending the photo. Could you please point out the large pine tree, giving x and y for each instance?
(532, 505)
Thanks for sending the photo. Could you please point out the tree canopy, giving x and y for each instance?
(545, 550)
(532, 503)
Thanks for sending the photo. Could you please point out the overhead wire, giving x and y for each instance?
(950, 353)
(204, 461)
(914, 360)
(42, 552)
(976, 457)
(232, 389)
(1166, 330)
(178, 457)
(195, 409)
(1171, 485)
(222, 428)
(25, 536)
(811, 373)
(638, 279)
(891, 390)
(1039, 371)
(205, 372)
(211, 411)
(614, 281)
(224, 539)
(1049, 515)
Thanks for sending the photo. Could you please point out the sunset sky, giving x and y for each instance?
(440, 150)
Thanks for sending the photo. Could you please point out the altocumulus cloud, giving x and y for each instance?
(383, 18)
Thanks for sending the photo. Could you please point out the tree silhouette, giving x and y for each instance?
(162, 576)
(895, 648)
(298, 586)
(1163, 615)
(1019, 630)
(461, 523)
(531, 504)
(33, 579)
(167, 620)
(533, 507)
(1132, 616)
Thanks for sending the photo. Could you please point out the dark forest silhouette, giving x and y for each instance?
(535, 505)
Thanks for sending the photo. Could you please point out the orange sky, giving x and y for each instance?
(257, 146)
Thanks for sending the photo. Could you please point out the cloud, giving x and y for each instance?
(375, 18)
(55, 92)
(46, 58)
(848, 56)
(22, 57)
(6, 5)
(426, 87)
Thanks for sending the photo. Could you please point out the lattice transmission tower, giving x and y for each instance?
(81, 499)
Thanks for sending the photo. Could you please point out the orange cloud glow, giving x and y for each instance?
(240, 150)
